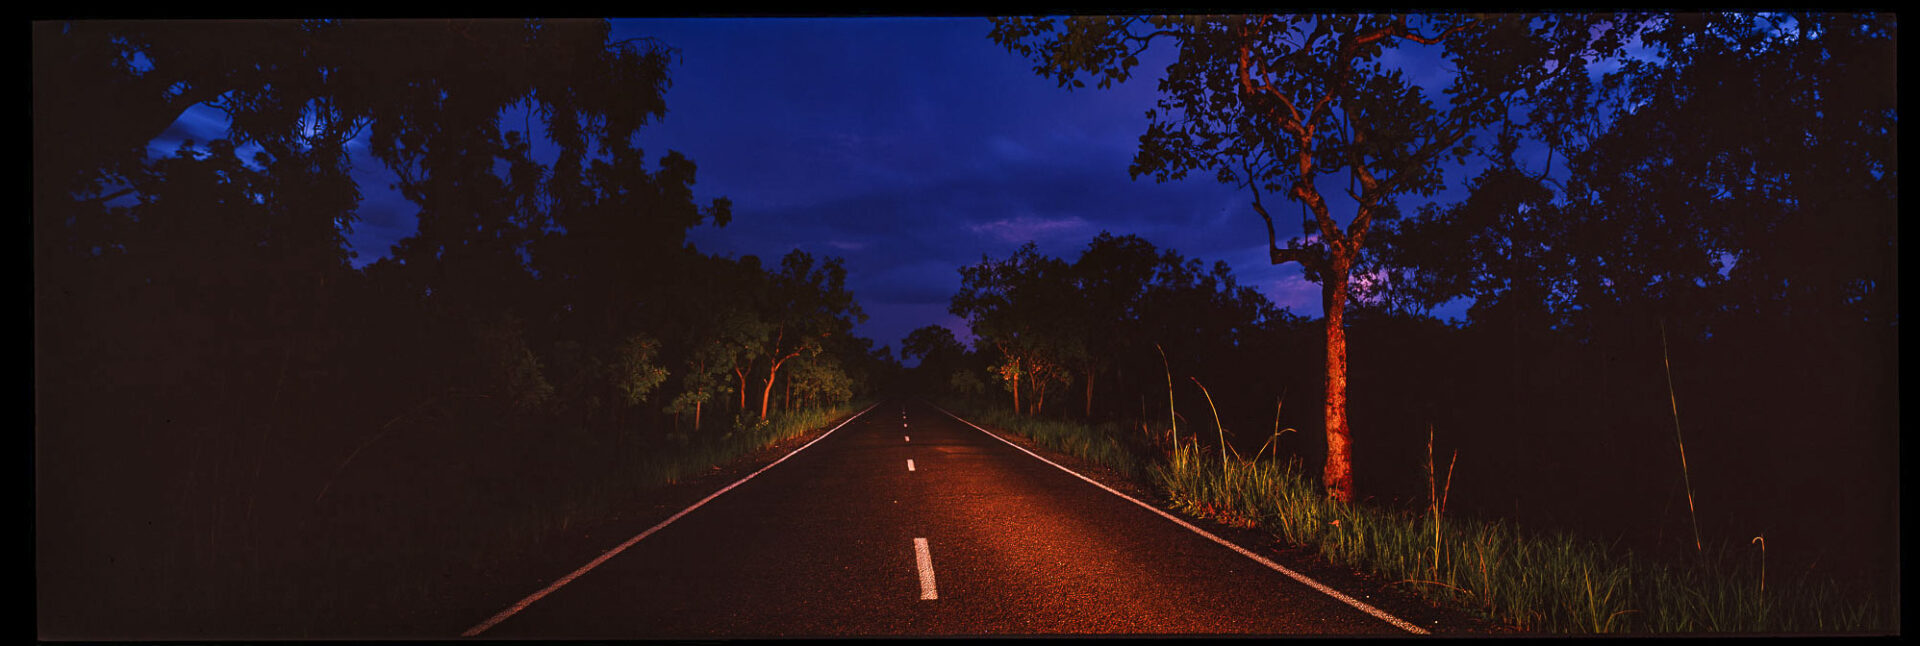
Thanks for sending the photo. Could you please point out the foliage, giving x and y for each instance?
(966, 384)
(634, 371)
(200, 325)
(512, 369)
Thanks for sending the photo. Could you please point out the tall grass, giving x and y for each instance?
(1673, 400)
(1546, 583)
(1103, 443)
(1555, 583)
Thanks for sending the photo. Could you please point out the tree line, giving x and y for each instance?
(1704, 260)
(209, 359)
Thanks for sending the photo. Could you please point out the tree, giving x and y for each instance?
(802, 306)
(1112, 277)
(932, 345)
(1274, 103)
(821, 380)
(703, 380)
(938, 353)
(1013, 306)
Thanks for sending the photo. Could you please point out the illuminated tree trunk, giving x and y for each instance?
(742, 374)
(766, 394)
(1016, 391)
(1010, 372)
(1338, 475)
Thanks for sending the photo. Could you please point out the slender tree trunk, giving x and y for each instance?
(1016, 390)
(696, 417)
(742, 374)
(1338, 475)
(1088, 414)
(766, 394)
(1039, 395)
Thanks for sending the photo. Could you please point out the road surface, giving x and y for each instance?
(906, 520)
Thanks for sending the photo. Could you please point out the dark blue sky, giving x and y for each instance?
(909, 147)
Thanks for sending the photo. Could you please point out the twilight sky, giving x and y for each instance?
(907, 146)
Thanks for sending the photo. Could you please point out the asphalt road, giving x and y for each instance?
(829, 542)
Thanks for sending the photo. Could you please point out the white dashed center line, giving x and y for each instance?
(909, 464)
(924, 560)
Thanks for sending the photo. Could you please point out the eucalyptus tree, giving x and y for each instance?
(1112, 276)
(1273, 104)
(703, 380)
(939, 354)
(1018, 307)
(802, 306)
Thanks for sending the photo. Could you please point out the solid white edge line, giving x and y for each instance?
(1356, 603)
(924, 561)
(523, 603)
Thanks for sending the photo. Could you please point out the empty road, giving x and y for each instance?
(907, 521)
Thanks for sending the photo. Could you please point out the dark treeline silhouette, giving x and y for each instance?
(1707, 266)
(238, 433)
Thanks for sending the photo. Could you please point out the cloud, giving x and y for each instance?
(1025, 228)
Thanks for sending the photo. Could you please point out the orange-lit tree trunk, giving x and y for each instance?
(773, 371)
(1334, 254)
(1010, 372)
(741, 372)
(1016, 389)
(1338, 474)
(766, 394)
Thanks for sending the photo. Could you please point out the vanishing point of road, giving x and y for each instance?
(906, 520)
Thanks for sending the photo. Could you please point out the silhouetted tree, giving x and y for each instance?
(939, 355)
(1014, 305)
